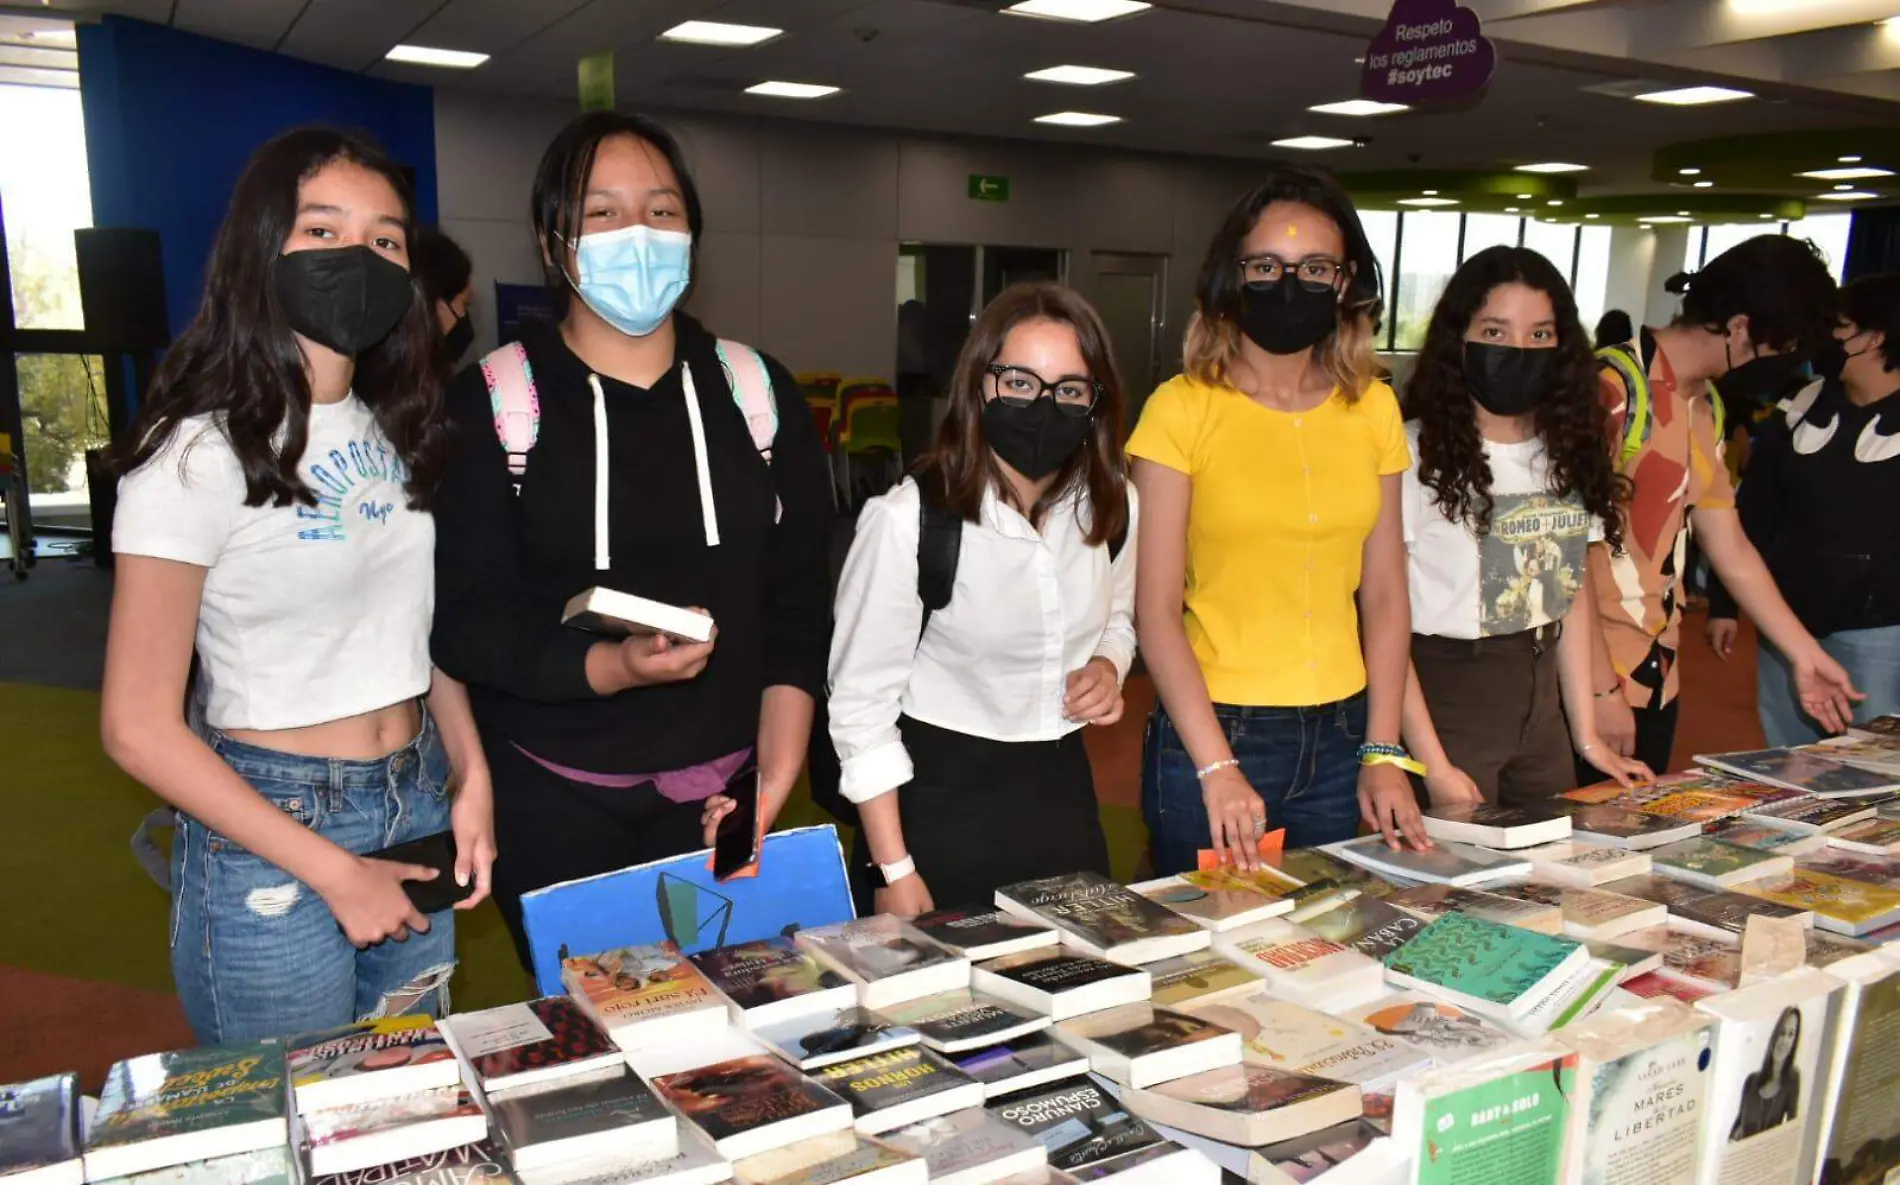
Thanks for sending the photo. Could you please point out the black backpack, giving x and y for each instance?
(939, 545)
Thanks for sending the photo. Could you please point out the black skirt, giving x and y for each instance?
(979, 814)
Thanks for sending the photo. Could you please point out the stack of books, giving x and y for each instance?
(382, 1091)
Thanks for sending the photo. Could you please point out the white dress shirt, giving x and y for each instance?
(1028, 608)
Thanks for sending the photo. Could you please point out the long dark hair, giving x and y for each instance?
(1571, 421)
(1213, 334)
(961, 462)
(238, 360)
(560, 188)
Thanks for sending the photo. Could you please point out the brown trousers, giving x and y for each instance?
(1496, 706)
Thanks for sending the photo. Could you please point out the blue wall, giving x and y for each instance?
(171, 119)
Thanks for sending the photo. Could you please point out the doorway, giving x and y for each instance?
(1129, 294)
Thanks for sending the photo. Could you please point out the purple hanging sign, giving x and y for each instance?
(1430, 51)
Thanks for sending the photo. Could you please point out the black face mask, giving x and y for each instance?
(1287, 316)
(1760, 380)
(1832, 359)
(1507, 380)
(1033, 440)
(346, 298)
(459, 338)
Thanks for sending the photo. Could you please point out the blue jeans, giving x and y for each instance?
(1303, 762)
(257, 953)
(1872, 657)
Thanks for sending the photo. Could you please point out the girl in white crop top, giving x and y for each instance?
(274, 517)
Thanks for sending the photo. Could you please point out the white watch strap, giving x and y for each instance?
(898, 871)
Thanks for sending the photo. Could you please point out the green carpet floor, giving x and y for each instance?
(79, 904)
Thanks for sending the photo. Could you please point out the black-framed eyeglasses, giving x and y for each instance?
(1018, 386)
(1318, 271)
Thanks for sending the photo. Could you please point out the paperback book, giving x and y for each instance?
(1023, 1064)
(971, 1147)
(167, 1109)
(375, 1059)
(469, 1164)
(1876, 754)
(1622, 827)
(1446, 864)
(1594, 914)
(821, 1039)
(1198, 978)
(1717, 865)
(1699, 806)
(903, 1086)
(1492, 826)
(1717, 913)
(1223, 898)
(610, 1115)
(1584, 865)
(1300, 965)
(963, 1019)
(1814, 816)
(1140, 1045)
(1712, 964)
(1766, 837)
(1060, 985)
(1765, 1082)
(1101, 918)
(835, 1158)
(645, 995)
(1248, 1104)
(1643, 1084)
(1372, 927)
(1505, 1118)
(1498, 970)
(39, 1132)
(266, 1166)
(1859, 1123)
(1289, 1036)
(1879, 871)
(772, 980)
(887, 958)
(1876, 837)
(356, 1136)
(618, 614)
(1589, 987)
(1078, 1124)
(524, 1044)
(1800, 771)
(1433, 901)
(752, 1104)
(1448, 1033)
(979, 934)
(1844, 906)
(1311, 1158)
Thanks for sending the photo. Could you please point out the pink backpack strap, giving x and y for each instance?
(515, 403)
(751, 385)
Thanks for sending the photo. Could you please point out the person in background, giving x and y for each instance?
(641, 475)
(444, 273)
(274, 515)
(1271, 599)
(1749, 320)
(959, 729)
(1510, 485)
(1614, 328)
(1818, 501)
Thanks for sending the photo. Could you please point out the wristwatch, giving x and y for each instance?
(897, 871)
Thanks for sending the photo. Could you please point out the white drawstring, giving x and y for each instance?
(700, 468)
(602, 561)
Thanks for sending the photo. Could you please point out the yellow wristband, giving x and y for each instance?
(1408, 764)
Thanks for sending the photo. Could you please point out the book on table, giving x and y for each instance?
(356, 1136)
(1023, 1064)
(1634, 960)
(1301, 965)
(1058, 984)
(1800, 771)
(39, 1132)
(887, 958)
(900, 1087)
(166, 1109)
(533, 1042)
(979, 934)
(1289, 1036)
(1352, 1153)
(772, 980)
(1248, 1104)
(964, 1019)
(1446, 864)
(1718, 913)
(1589, 987)
(1873, 753)
(1880, 871)
(620, 615)
(1202, 976)
(1491, 826)
(370, 1060)
(1085, 1130)
(1814, 816)
(1825, 949)
(1223, 898)
(835, 1158)
(1859, 1124)
(1101, 918)
(1448, 1033)
(1874, 837)
(971, 1147)
(1642, 1090)
(743, 1098)
(1139, 1044)
(1657, 985)
(469, 1164)
(696, 1163)
(1503, 1118)
(1622, 827)
(1711, 964)
(1500, 971)
(1699, 806)
(645, 995)
(1432, 901)
(1584, 865)
(1717, 865)
(812, 1042)
(1840, 904)
(1598, 914)
(1747, 832)
(1368, 925)
(266, 1166)
(597, 1116)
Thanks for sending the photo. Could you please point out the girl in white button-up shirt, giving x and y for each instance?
(958, 731)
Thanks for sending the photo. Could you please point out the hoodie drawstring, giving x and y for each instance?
(706, 511)
(602, 560)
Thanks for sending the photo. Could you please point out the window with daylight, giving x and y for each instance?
(1489, 230)
(1428, 255)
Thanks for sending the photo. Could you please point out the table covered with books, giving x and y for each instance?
(1685, 983)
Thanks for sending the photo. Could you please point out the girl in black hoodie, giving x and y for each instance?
(642, 476)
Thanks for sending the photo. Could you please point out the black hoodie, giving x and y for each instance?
(506, 564)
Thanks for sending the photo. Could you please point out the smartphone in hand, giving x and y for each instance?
(432, 851)
(736, 843)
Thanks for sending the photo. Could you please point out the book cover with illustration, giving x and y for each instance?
(1719, 911)
(1876, 754)
(1192, 978)
(1643, 1081)
(1433, 901)
(624, 988)
(769, 971)
(1876, 836)
(1769, 1067)
(835, 1035)
(1022, 1064)
(1484, 965)
(373, 1059)
(1138, 1044)
(469, 1164)
(1100, 916)
(740, 1096)
(517, 1044)
(1879, 871)
(1372, 927)
(1766, 837)
(1711, 963)
(983, 933)
(440, 1118)
(1799, 771)
(1078, 1124)
(1624, 827)
(1300, 964)
(962, 1019)
(1445, 1031)
(1814, 816)
(618, 1105)
(1504, 1119)
(1221, 898)
(265, 1166)
(1844, 906)
(1704, 861)
(192, 1104)
(1447, 863)
(1289, 1036)
(1860, 1123)
(1698, 806)
(971, 1142)
(890, 1089)
(874, 948)
(39, 1128)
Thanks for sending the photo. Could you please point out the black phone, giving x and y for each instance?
(432, 851)
(736, 843)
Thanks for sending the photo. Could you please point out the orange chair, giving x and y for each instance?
(870, 429)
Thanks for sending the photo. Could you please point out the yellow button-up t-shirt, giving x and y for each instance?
(1282, 505)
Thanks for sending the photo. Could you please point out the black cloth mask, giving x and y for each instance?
(346, 298)
(459, 338)
(1832, 358)
(1759, 381)
(1033, 440)
(1287, 316)
(1508, 380)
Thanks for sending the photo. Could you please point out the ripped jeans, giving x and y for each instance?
(256, 953)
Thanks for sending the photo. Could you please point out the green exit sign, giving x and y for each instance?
(986, 188)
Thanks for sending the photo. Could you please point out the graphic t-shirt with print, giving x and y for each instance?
(1677, 468)
(309, 613)
(1521, 574)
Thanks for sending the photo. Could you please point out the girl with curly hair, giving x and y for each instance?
(1510, 485)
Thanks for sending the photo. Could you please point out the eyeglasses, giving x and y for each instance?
(1017, 386)
(1318, 271)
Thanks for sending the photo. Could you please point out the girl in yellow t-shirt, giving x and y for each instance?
(1271, 588)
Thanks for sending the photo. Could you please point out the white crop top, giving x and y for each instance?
(310, 613)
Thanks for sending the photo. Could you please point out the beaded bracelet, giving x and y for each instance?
(1203, 773)
(1380, 753)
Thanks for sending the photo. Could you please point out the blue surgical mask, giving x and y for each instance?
(633, 276)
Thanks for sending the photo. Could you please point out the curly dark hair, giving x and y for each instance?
(1572, 421)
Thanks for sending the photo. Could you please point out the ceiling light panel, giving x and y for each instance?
(792, 90)
(1553, 166)
(424, 55)
(1851, 173)
(1078, 119)
(1079, 75)
(716, 33)
(1695, 96)
(1359, 107)
(1312, 143)
(1085, 11)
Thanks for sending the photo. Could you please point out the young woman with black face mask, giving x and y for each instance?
(1818, 501)
(1750, 318)
(1272, 603)
(1509, 487)
(959, 728)
(443, 270)
(274, 513)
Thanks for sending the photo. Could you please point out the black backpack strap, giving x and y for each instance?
(939, 543)
(1120, 537)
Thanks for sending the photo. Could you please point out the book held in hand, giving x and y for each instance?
(887, 958)
(609, 1115)
(1247, 1104)
(357, 1136)
(1498, 970)
(1101, 918)
(1060, 985)
(39, 1132)
(1491, 826)
(1139, 1044)
(645, 995)
(375, 1059)
(519, 1045)
(166, 1109)
(620, 615)
(964, 1019)
(1023, 1064)
(979, 934)
(900, 1087)
(824, 1038)
(772, 980)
